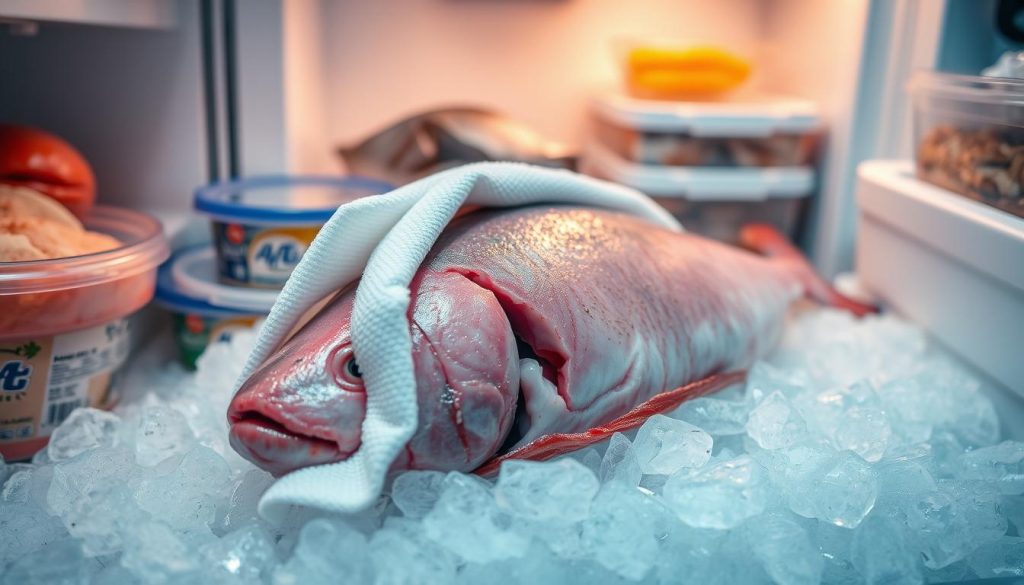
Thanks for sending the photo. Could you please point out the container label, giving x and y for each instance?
(194, 332)
(257, 256)
(43, 379)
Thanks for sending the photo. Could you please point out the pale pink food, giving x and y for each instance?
(525, 322)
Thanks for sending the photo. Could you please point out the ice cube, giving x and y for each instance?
(1001, 465)
(245, 498)
(467, 522)
(75, 478)
(775, 424)
(784, 550)
(865, 431)
(720, 496)
(246, 554)
(902, 483)
(948, 524)
(85, 429)
(974, 419)
(25, 528)
(664, 445)
(189, 496)
(154, 553)
(401, 559)
(620, 534)
(102, 517)
(590, 458)
(416, 492)
(620, 462)
(841, 490)
(717, 417)
(764, 379)
(881, 555)
(1013, 508)
(161, 433)
(907, 403)
(60, 562)
(327, 551)
(1003, 558)
(558, 491)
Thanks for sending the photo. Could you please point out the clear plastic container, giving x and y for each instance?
(714, 202)
(203, 310)
(64, 329)
(263, 225)
(969, 136)
(748, 130)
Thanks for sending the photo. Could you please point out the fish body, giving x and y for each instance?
(525, 322)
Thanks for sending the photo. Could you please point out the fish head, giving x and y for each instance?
(306, 404)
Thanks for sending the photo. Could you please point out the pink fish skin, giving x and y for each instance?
(525, 322)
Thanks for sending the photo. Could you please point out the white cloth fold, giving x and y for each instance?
(385, 239)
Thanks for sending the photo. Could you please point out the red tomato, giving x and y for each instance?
(44, 162)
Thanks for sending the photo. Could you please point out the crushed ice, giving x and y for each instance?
(856, 453)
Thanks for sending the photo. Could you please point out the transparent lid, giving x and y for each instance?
(743, 114)
(973, 88)
(284, 199)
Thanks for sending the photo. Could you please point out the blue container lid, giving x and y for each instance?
(187, 283)
(284, 199)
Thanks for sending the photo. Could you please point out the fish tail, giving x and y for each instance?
(768, 241)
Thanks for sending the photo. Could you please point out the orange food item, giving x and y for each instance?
(48, 164)
(33, 227)
(668, 73)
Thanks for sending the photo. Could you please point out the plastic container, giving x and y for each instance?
(749, 130)
(64, 328)
(203, 310)
(263, 225)
(969, 136)
(711, 201)
(948, 263)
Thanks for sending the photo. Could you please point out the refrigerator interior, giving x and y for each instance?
(310, 76)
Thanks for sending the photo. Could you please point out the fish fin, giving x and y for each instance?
(767, 240)
(549, 446)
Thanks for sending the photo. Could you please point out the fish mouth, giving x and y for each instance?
(268, 442)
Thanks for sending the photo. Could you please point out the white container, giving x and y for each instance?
(746, 130)
(950, 264)
(714, 202)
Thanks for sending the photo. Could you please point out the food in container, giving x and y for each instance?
(203, 310)
(64, 328)
(749, 130)
(32, 158)
(969, 133)
(675, 70)
(714, 202)
(263, 225)
(36, 227)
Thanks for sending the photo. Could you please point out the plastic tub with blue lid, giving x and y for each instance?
(204, 310)
(263, 225)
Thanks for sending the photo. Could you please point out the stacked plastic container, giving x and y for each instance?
(714, 164)
(260, 229)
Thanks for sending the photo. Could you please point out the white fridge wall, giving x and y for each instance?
(129, 99)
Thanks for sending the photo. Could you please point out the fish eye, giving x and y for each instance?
(344, 368)
(353, 368)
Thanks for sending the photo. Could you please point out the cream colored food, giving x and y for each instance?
(35, 227)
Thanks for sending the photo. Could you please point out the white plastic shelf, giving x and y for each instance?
(953, 265)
